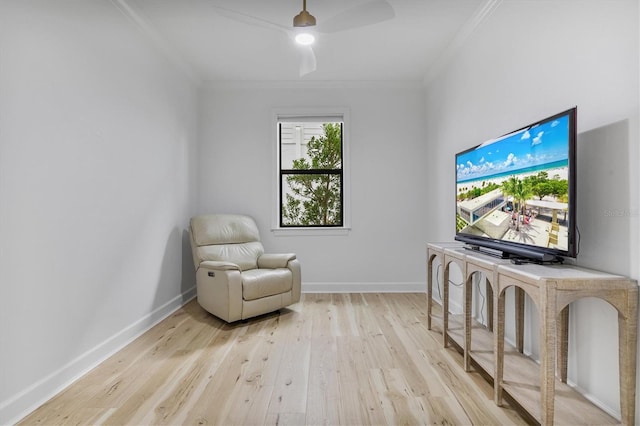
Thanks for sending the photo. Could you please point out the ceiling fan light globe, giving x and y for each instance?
(304, 19)
(305, 39)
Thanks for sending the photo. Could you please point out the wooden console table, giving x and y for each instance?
(541, 389)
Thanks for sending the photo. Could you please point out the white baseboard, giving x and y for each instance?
(613, 412)
(368, 287)
(20, 405)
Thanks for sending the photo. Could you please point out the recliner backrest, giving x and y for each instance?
(225, 237)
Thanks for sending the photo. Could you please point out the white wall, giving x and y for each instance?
(97, 181)
(528, 60)
(388, 169)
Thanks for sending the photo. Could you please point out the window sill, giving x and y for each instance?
(310, 232)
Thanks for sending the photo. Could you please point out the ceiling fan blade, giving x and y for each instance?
(249, 19)
(308, 61)
(369, 13)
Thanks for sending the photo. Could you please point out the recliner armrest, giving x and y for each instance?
(275, 260)
(219, 265)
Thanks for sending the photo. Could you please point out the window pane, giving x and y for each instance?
(310, 145)
(311, 199)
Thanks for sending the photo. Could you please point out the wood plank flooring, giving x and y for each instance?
(332, 359)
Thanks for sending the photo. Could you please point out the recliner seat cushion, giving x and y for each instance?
(258, 283)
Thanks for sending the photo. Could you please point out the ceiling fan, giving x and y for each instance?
(304, 25)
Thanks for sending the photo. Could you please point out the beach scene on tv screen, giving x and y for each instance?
(516, 188)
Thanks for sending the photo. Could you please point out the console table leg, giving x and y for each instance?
(627, 335)
(519, 305)
(489, 297)
(429, 291)
(466, 291)
(547, 353)
(498, 346)
(445, 305)
(563, 344)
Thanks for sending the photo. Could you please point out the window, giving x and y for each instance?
(311, 179)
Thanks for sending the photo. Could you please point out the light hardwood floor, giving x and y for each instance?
(332, 359)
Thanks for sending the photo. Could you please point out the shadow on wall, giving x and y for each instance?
(177, 274)
(604, 211)
(188, 281)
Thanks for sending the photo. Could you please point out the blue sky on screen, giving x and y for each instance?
(531, 147)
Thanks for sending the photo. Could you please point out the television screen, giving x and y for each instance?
(516, 193)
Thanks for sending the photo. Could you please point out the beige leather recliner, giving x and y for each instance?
(235, 279)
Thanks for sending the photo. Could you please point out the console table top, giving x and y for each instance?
(560, 273)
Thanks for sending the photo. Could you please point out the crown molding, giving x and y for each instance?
(159, 42)
(479, 16)
(312, 84)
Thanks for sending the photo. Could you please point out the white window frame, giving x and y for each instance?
(305, 114)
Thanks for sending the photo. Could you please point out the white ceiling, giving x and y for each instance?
(217, 49)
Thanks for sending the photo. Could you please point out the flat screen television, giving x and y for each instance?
(516, 194)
